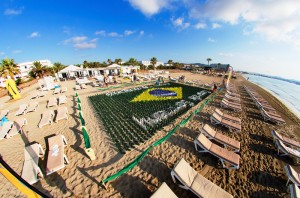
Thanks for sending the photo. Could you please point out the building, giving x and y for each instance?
(147, 63)
(26, 67)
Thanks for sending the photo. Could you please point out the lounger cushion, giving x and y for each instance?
(289, 150)
(292, 173)
(164, 192)
(228, 141)
(29, 172)
(286, 139)
(295, 191)
(185, 172)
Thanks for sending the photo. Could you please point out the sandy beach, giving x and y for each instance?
(260, 174)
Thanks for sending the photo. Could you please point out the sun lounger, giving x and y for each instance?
(283, 150)
(62, 113)
(32, 106)
(22, 109)
(233, 94)
(56, 157)
(52, 102)
(232, 98)
(34, 95)
(211, 134)
(47, 117)
(192, 180)
(5, 129)
(272, 118)
(227, 116)
(164, 191)
(42, 93)
(217, 119)
(4, 113)
(229, 105)
(292, 175)
(285, 140)
(56, 91)
(31, 171)
(83, 86)
(294, 190)
(95, 84)
(62, 99)
(63, 90)
(229, 159)
(17, 127)
(77, 87)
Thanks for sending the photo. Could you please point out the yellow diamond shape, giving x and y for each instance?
(146, 96)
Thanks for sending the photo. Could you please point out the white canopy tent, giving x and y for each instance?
(70, 71)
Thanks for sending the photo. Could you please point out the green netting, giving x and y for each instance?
(78, 100)
(79, 107)
(183, 122)
(158, 142)
(86, 138)
(76, 94)
(81, 119)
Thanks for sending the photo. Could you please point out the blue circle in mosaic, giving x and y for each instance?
(162, 93)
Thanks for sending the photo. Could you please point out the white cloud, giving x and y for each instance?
(226, 54)
(149, 7)
(2, 53)
(211, 40)
(66, 30)
(114, 34)
(17, 51)
(142, 32)
(82, 42)
(11, 12)
(100, 32)
(215, 25)
(85, 45)
(180, 23)
(75, 39)
(200, 25)
(34, 35)
(128, 32)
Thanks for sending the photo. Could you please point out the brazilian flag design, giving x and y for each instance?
(155, 94)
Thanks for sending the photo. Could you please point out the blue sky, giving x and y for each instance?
(258, 36)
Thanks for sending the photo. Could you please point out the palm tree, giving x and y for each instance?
(153, 62)
(57, 67)
(170, 62)
(132, 61)
(38, 69)
(208, 60)
(109, 61)
(8, 67)
(118, 61)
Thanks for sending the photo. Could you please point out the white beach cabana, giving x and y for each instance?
(71, 71)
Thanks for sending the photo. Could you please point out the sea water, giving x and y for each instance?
(285, 91)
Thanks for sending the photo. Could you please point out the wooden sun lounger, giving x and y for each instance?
(32, 106)
(62, 99)
(229, 159)
(272, 118)
(233, 94)
(5, 129)
(292, 175)
(62, 113)
(164, 191)
(22, 109)
(52, 102)
(285, 140)
(17, 127)
(56, 91)
(47, 117)
(211, 134)
(227, 116)
(283, 150)
(229, 105)
(63, 90)
(56, 157)
(31, 171)
(217, 119)
(77, 87)
(294, 190)
(192, 180)
(232, 98)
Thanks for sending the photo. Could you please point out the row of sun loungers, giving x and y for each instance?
(230, 122)
(62, 99)
(10, 128)
(56, 159)
(81, 86)
(231, 100)
(24, 108)
(267, 111)
(47, 116)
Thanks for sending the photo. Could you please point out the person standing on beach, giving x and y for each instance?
(215, 88)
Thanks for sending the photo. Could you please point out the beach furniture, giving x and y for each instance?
(83, 86)
(95, 84)
(22, 109)
(31, 171)
(56, 157)
(62, 99)
(3, 113)
(63, 89)
(62, 113)
(192, 180)
(52, 102)
(42, 93)
(227, 116)
(17, 127)
(233, 94)
(217, 119)
(228, 142)
(164, 191)
(230, 105)
(232, 98)
(292, 175)
(47, 117)
(5, 129)
(229, 159)
(294, 190)
(77, 87)
(283, 150)
(32, 106)
(273, 118)
(285, 140)
(56, 90)
(34, 95)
